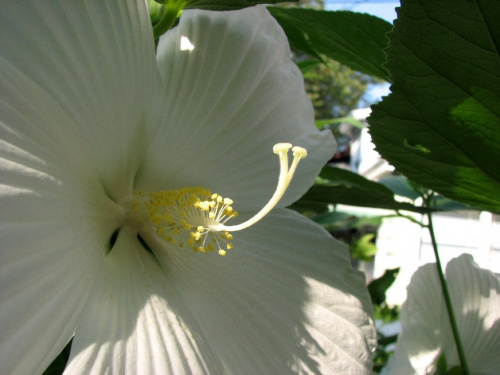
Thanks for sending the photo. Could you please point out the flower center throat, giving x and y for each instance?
(194, 217)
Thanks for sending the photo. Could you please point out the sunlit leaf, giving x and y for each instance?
(155, 11)
(441, 125)
(347, 120)
(364, 249)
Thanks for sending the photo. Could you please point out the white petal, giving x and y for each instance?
(59, 88)
(51, 248)
(135, 321)
(284, 300)
(230, 99)
(476, 293)
(54, 232)
(75, 78)
(417, 346)
(426, 331)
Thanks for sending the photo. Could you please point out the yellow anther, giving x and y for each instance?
(205, 206)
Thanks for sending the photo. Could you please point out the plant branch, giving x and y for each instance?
(411, 218)
(446, 293)
(170, 13)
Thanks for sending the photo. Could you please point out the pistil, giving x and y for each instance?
(285, 177)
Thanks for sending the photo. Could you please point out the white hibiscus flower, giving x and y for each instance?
(426, 330)
(92, 125)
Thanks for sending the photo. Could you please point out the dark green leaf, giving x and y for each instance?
(340, 186)
(222, 5)
(441, 203)
(353, 39)
(387, 340)
(400, 186)
(378, 287)
(455, 370)
(345, 187)
(345, 177)
(334, 220)
(307, 65)
(59, 364)
(441, 125)
(296, 37)
(319, 197)
(441, 365)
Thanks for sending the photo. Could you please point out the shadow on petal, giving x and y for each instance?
(278, 303)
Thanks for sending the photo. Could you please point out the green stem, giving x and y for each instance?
(171, 11)
(446, 294)
(411, 218)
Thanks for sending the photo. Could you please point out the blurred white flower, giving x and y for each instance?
(95, 127)
(426, 331)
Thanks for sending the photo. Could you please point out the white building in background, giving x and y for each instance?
(364, 159)
(404, 244)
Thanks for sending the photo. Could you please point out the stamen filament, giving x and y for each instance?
(284, 179)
